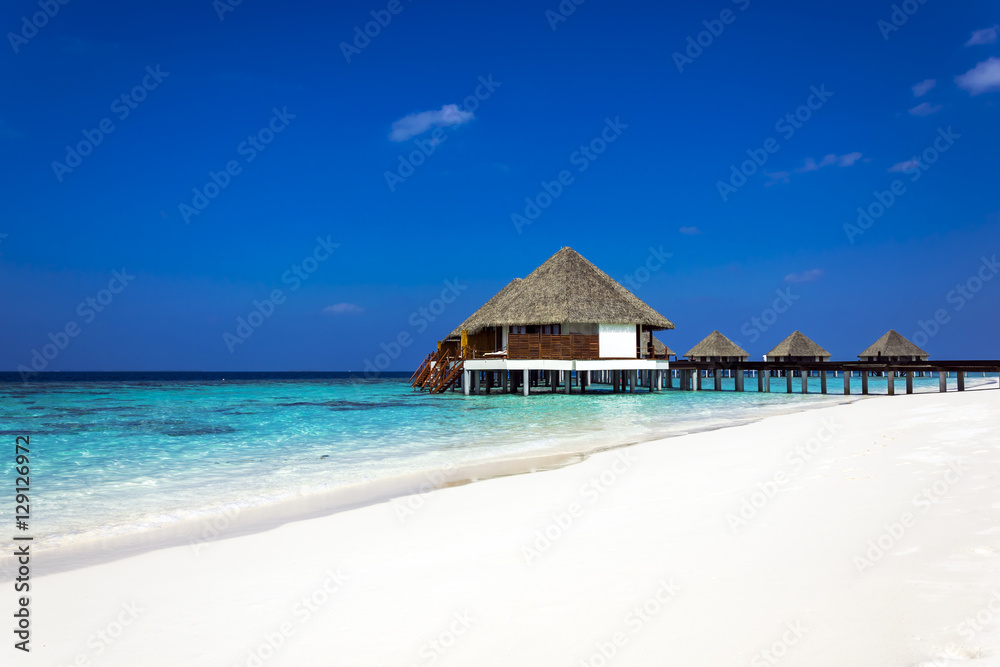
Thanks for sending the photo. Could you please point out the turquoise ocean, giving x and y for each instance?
(114, 454)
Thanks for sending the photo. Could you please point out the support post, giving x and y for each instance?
(788, 381)
(466, 382)
(760, 381)
(717, 376)
(805, 382)
(527, 381)
(822, 382)
(767, 382)
(670, 378)
(504, 381)
(847, 383)
(697, 379)
(739, 379)
(942, 381)
(633, 378)
(864, 381)
(568, 385)
(960, 377)
(475, 382)
(891, 382)
(909, 382)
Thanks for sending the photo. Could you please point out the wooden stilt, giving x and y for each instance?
(864, 382)
(805, 381)
(822, 382)
(527, 382)
(891, 382)
(847, 383)
(788, 381)
(942, 381)
(909, 382)
(960, 378)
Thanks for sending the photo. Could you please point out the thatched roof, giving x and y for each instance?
(893, 344)
(658, 347)
(566, 288)
(798, 345)
(488, 310)
(716, 345)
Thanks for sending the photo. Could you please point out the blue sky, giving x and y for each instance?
(266, 150)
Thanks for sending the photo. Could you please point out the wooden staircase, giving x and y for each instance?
(438, 373)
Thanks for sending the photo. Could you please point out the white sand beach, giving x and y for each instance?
(860, 534)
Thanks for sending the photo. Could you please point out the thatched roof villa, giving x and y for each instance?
(892, 346)
(716, 347)
(567, 315)
(797, 347)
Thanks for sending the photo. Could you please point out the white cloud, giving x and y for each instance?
(418, 123)
(921, 88)
(776, 177)
(984, 36)
(846, 160)
(810, 276)
(690, 231)
(905, 165)
(983, 78)
(925, 109)
(343, 309)
(849, 159)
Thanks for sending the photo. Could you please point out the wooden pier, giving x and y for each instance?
(691, 374)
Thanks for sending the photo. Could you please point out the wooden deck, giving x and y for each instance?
(691, 373)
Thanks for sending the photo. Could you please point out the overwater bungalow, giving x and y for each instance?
(797, 347)
(716, 347)
(565, 317)
(892, 346)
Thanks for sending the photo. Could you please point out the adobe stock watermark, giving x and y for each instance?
(960, 296)
(301, 611)
(982, 619)
(563, 11)
(213, 528)
(581, 158)
(758, 324)
(122, 106)
(87, 310)
(420, 320)
(900, 14)
(31, 26)
(642, 273)
(381, 18)
(714, 28)
(894, 532)
(407, 506)
(779, 649)
(915, 167)
(634, 621)
(104, 637)
(590, 492)
(437, 646)
(223, 7)
(248, 149)
(408, 163)
(795, 461)
(786, 126)
(293, 277)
